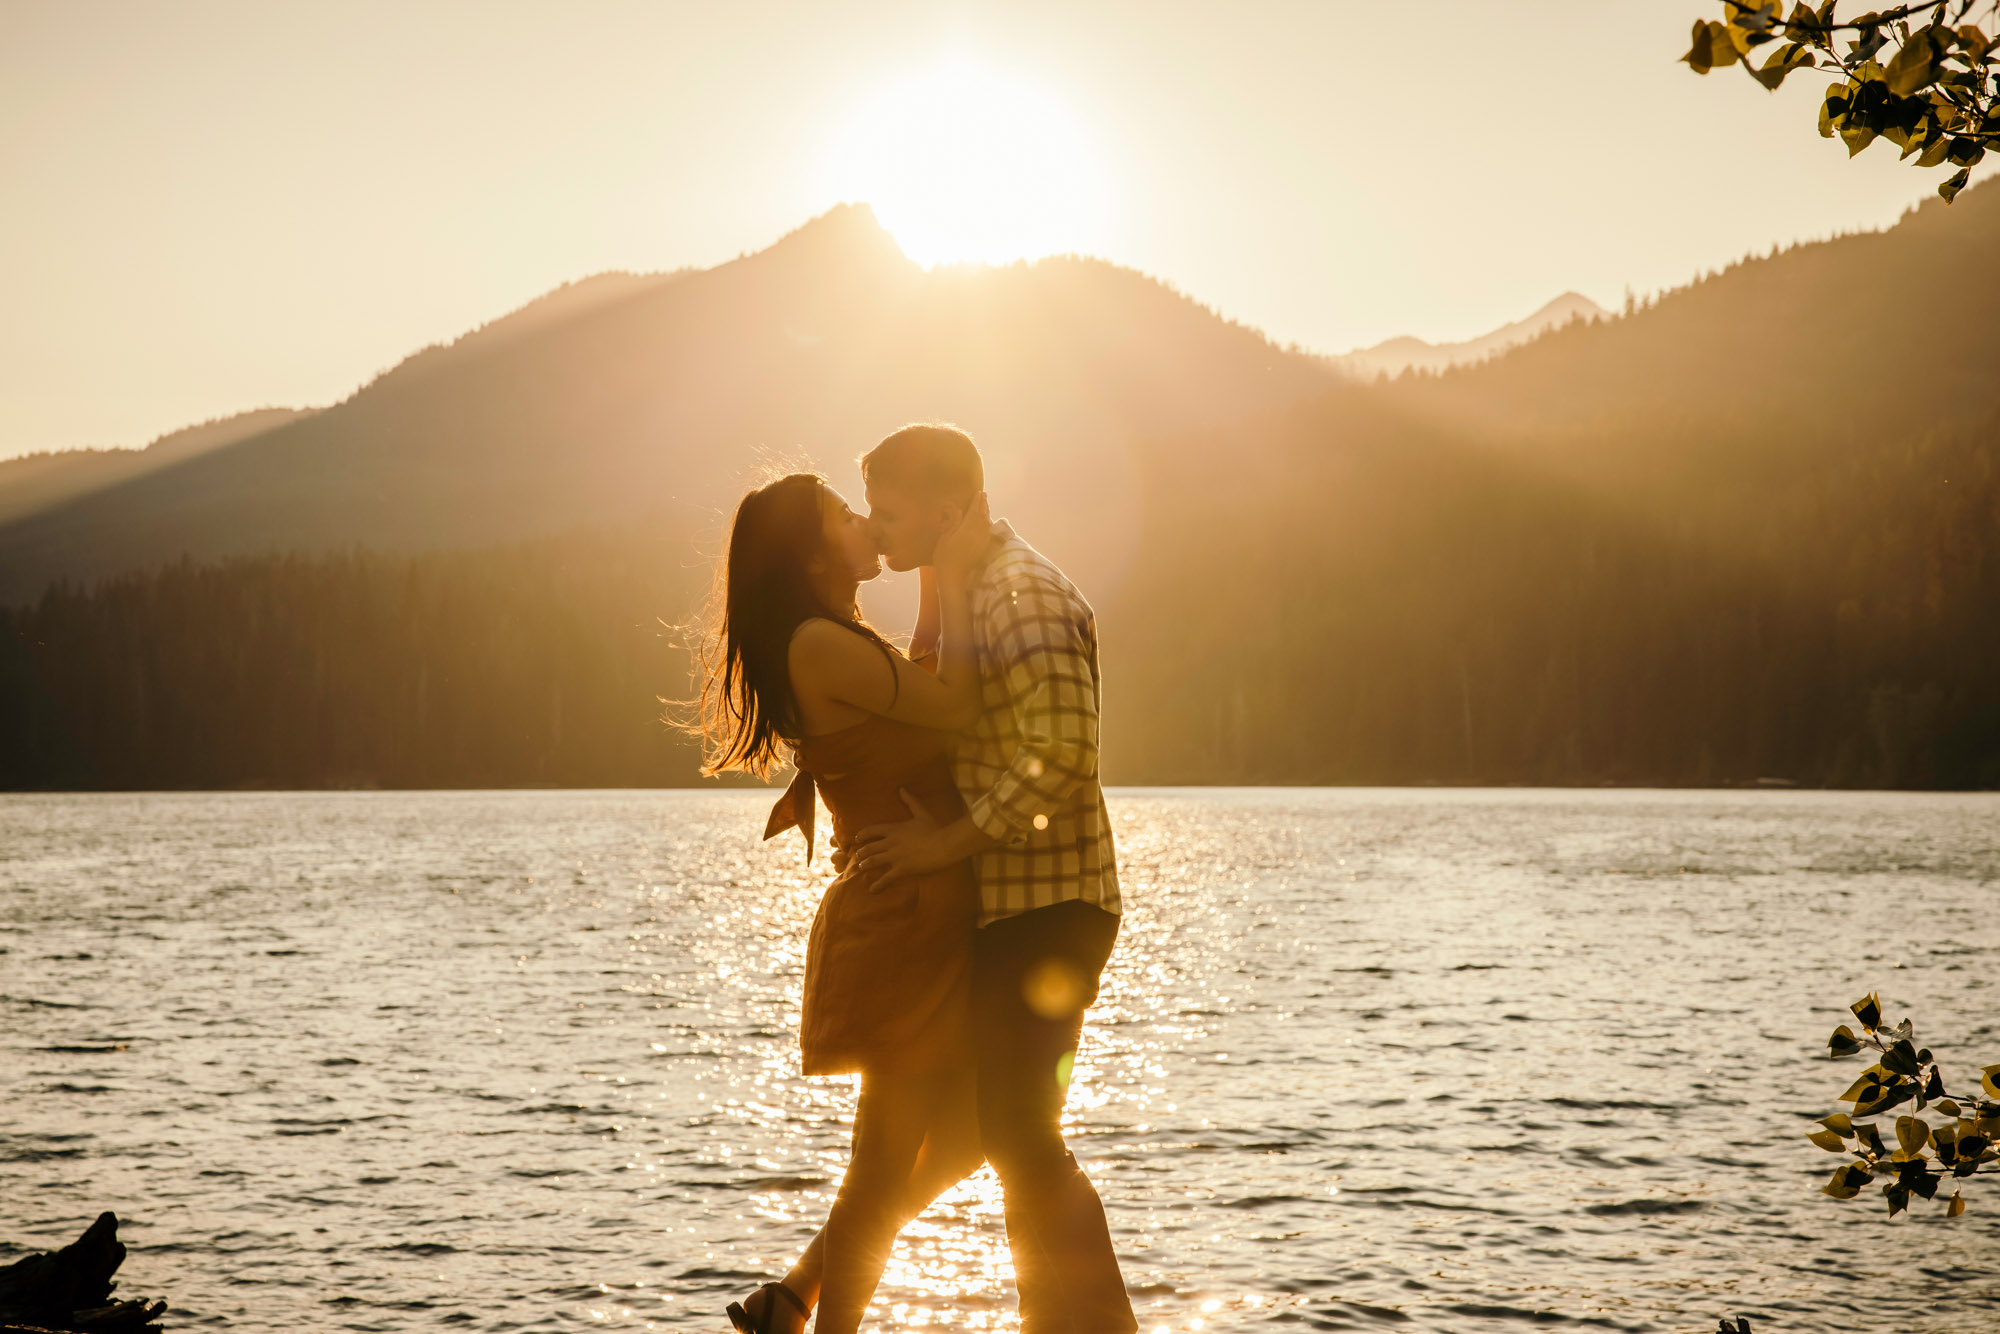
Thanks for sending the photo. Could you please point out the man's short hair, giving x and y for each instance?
(931, 457)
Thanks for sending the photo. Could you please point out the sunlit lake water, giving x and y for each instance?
(1417, 1059)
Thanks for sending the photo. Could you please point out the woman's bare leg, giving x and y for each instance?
(861, 1227)
(950, 1153)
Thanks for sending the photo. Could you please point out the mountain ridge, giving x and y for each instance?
(44, 479)
(654, 393)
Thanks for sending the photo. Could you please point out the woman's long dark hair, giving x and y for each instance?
(766, 592)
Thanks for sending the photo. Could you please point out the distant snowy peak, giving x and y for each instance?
(1406, 353)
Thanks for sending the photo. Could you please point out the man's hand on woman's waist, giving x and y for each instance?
(910, 847)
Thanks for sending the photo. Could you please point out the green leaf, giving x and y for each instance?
(1909, 133)
(1874, 1074)
(1898, 1196)
(1912, 1136)
(1782, 62)
(1726, 44)
(1732, 43)
(1888, 1096)
(1870, 1139)
(1987, 1076)
(1839, 1124)
(1701, 49)
(1827, 1140)
(1956, 1207)
(1947, 1106)
(1751, 17)
(1847, 1181)
(1868, 1085)
(1869, 1011)
(1965, 152)
(1803, 26)
(1914, 66)
(1901, 1058)
(1842, 1043)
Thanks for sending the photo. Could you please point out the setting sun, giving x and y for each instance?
(965, 163)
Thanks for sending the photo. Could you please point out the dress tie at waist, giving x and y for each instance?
(794, 808)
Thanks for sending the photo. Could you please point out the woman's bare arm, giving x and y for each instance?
(830, 660)
(834, 662)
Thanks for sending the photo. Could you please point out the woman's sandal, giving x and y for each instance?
(772, 1292)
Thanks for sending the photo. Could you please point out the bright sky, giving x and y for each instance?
(207, 207)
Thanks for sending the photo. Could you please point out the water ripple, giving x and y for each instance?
(1463, 1061)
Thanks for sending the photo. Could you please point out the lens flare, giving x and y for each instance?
(1053, 990)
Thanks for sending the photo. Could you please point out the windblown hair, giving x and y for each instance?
(747, 711)
(933, 457)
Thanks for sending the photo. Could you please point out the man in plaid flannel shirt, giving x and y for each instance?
(1048, 878)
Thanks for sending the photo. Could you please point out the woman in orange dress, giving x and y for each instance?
(793, 670)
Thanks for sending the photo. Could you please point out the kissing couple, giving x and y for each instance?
(953, 957)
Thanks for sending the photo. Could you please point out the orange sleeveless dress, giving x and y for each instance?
(889, 973)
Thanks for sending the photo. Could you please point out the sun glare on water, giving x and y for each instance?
(962, 163)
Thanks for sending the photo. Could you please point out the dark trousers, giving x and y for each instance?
(1033, 976)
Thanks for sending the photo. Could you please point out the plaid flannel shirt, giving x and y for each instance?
(1028, 768)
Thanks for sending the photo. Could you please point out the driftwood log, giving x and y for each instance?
(69, 1290)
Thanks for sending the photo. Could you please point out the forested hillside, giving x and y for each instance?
(538, 663)
(1415, 608)
(1721, 539)
(1718, 540)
